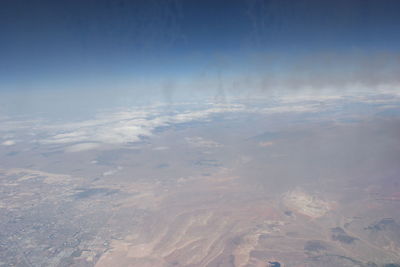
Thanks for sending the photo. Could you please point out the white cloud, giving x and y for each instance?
(126, 126)
(160, 148)
(8, 143)
(293, 109)
(81, 147)
(201, 142)
(112, 172)
(266, 144)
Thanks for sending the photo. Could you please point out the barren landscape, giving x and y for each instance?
(197, 194)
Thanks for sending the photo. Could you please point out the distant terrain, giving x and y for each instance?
(310, 181)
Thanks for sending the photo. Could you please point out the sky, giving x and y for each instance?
(106, 52)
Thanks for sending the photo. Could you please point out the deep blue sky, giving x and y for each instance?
(87, 44)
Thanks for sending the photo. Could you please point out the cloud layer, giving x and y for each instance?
(119, 127)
